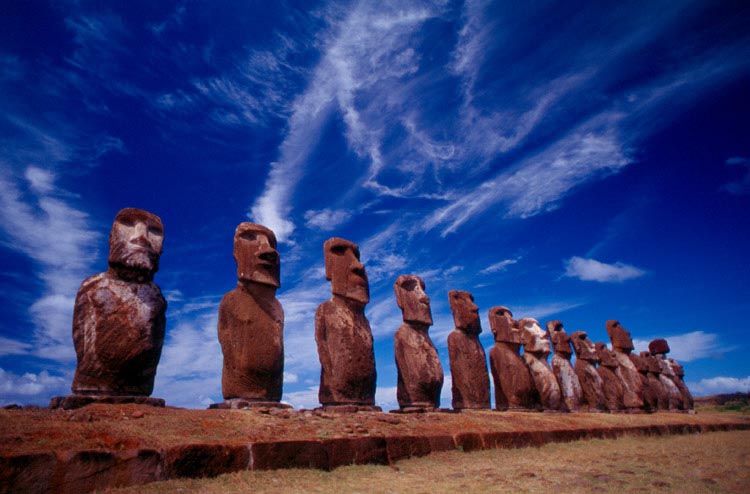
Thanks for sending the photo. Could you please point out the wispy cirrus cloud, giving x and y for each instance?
(498, 266)
(593, 270)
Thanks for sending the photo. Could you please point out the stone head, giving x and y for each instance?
(640, 362)
(135, 242)
(559, 337)
(658, 346)
(503, 326)
(652, 364)
(412, 299)
(534, 337)
(343, 269)
(620, 337)
(584, 347)
(677, 368)
(605, 355)
(465, 311)
(256, 255)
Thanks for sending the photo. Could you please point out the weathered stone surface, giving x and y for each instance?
(205, 460)
(251, 320)
(420, 375)
(570, 387)
(651, 388)
(118, 319)
(28, 473)
(74, 401)
(514, 389)
(342, 332)
(622, 346)
(611, 383)
(659, 349)
(585, 369)
(536, 348)
(679, 374)
(468, 362)
(85, 471)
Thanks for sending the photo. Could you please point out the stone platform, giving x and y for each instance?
(77, 451)
(71, 402)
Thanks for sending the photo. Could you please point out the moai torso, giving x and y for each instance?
(514, 389)
(659, 349)
(468, 362)
(679, 374)
(622, 345)
(570, 387)
(585, 369)
(650, 391)
(535, 350)
(119, 315)
(251, 320)
(611, 382)
(420, 375)
(342, 332)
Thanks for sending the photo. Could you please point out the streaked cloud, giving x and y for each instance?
(326, 219)
(719, 385)
(690, 346)
(541, 310)
(499, 266)
(593, 270)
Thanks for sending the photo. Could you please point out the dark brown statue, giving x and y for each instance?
(570, 387)
(622, 346)
(679, 374)
(251, 323)
(468, 362)
(420, 375)
(659, 348)
(514, 389)
(118, 319)
(342, 332)
(536, 348)
(585, 369)
(650, 386)
(612, 386)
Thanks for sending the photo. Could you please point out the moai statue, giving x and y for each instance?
(468, 362)
(514, 389)
(251, 324)
(570, 387)
(622, 346)
(420, 375)
(659, 349)
(612, 386)
(342, 333)
(118, 319)
(655, 396)
(585, 369)
(679, 374)
(535, 350)
(649, 390)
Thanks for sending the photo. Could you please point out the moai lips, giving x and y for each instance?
(536, 347)
(570, 387)
(251, 321)
(468, 362)
(342, 332)
(622, 345)
(420, 375)
(514, 389)
(118, 319)
(585, 369)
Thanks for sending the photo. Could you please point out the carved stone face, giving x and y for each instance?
(620, 337)
(652, 363)
(465, 311)
(413, 301)
(343, 269)
(560, 339)
(534, 337)
(658, 346)
(584, 347)
(605, 355)
(256, 255)
(640, 362)
(135, 241)
(503, 326)
(677, 368)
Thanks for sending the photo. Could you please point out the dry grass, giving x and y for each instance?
(715, 462)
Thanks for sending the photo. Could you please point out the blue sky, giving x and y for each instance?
(581, 162)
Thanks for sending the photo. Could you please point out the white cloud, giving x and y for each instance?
(689, 346)
(385, 398)
(31, 388)
(537, 311)
(593, 270)
(306, 398)
(326, 219)
(499, 266)
(719, 385)
(13, 347)
(41, 181)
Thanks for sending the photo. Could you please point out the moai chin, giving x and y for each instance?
(251, 323)
(622, 346)
(536, 348)
(679, 374)
(659, 348)
(118, 319)
(468, 362)
(612, 386)
(570, 387)
(585, 369)
(514, 389)
(342, 332)
(420, 375)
